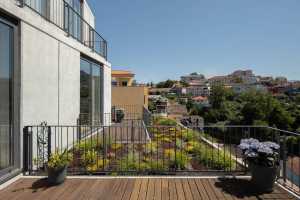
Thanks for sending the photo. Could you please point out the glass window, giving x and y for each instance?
(6, 52)
(85, 94)
(124, 83)
(96, 88)
(90, 93)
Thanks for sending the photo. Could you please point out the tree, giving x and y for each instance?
(280, 118)
(218, 96)
(297, 99)
(165, 84)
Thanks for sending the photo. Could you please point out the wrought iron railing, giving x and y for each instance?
(65, 17)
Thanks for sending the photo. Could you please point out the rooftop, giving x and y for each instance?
(122, 73)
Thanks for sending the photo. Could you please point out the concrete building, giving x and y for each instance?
(240, 88)
(53, 68)
(194, 79)
(219, 80)
(122, 78)
(198, 91)
(132, 99)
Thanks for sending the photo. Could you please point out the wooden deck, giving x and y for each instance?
(140, 188)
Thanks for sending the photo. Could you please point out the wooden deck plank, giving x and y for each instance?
(201, 189)
(179, 189)
(165, 195)
(194, 189)
(116, 193)
(220, 194)
(15, 189)
(186, 189)
(151, 189)
(172, 190)
(91, 194)
(75, 184)
(122, 188)
(136, 189)
(148, 188)
(157, 194)
(143, 190)
(128, 190)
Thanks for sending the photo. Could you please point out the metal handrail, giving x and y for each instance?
(64, 24)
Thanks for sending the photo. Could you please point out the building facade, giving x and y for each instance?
(129, 97)
(122, 78)
(53, 68)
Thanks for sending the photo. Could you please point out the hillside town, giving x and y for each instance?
(173, 97)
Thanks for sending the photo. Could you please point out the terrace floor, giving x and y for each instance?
(139, 188)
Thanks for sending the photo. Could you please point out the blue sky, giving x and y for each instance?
(160, 39)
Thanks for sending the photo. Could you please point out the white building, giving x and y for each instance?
(198, 91)
(53, 68)
(194, 79)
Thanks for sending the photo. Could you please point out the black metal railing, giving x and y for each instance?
(132, 148)
(65, 17)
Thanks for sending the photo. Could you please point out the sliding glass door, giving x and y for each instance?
(90, 93)
(6, 67)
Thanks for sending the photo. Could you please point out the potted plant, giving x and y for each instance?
(263, 160)
(57, 167)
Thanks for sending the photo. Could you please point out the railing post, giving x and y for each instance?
(49, 143)
(284, 157)
(27, 154)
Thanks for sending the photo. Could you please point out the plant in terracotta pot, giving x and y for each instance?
(57, 167)
(263, 160)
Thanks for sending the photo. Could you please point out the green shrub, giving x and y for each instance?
(191, 146)
(92, 162)
(93, 143)
(162, 121)
(178, 160)
(150, 148)
(214, 158)
(129, 162)
(188, 135)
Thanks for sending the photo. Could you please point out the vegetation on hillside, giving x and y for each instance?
(250, 108)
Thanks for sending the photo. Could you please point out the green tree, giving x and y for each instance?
(165, 84)
(297, 99)
(218, 96)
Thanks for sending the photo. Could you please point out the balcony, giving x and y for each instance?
(163, 160)
(67, 18)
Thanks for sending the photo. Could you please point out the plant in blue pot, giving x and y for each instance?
(263, 162)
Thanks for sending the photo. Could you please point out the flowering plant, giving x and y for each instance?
(260, 153)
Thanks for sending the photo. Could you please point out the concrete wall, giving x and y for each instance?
(107, 93)
(131, 99)
(50, 71)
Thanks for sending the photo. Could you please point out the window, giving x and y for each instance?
(5, 97)
(114, 83)
(124, 83)
(90, 93)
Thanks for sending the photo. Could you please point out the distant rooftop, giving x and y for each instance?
(122, 73)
